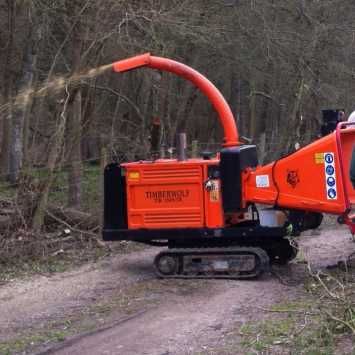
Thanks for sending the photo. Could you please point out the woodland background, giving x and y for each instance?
(277, 62)
(63, 117)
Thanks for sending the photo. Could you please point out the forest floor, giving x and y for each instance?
(118, 306)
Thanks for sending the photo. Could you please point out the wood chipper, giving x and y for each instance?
(207, 211)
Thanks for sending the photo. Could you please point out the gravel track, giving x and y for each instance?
(169, 316)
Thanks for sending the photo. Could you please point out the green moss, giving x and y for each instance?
(261, 336)
(300, 327)
(28, 341)
(294, 306)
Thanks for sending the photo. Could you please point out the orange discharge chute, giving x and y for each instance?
(226, 117)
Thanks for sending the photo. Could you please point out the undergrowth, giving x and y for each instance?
(319, 323)
(58, 246)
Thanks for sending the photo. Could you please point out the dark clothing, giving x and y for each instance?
(352, 168)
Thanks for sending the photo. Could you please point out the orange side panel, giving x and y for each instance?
(309, 179)
(165, 195)
(347, 144)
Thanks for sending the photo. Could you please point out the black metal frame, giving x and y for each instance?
(115, 198)
(236, 234)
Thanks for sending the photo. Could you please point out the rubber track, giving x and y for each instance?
(262, 266)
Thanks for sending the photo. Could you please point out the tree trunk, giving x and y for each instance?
(252, 110)
(292, 127)
(74, 130)
(55, 148)
(7, 93)
(74, 156)
(235, 96)
(155, 132)
(22, 107)
(186, 103)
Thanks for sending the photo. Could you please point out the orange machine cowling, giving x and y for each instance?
(170, 194)
(175, 194)
(314, 178)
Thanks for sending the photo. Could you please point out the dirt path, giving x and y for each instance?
(185, 323)
(24, 304)
(117, 306)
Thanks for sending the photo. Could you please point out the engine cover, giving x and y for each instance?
(173, 194)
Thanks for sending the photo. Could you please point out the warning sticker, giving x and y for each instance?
(262, 181)
(319, 158)
(330, 177)
(214, 191)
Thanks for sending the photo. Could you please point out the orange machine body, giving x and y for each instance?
(172, 194)
(314, 178)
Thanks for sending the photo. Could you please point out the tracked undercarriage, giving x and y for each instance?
(234, 263)
(222, 263)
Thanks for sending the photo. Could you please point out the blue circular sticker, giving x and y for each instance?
(329, 169)
(330, 181)
(329, 158)
(332, 193)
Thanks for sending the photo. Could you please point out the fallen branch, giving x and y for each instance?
(73, 228)
(73, 218)
(286, 311)
(336, 319)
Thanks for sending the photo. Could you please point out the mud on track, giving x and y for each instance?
(117, 306)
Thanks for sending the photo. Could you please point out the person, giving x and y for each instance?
(351, 117)
(330, 118)
(352, 168)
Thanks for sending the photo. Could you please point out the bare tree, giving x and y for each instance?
(22, 106)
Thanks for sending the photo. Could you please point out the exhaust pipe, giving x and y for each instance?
(182, 147)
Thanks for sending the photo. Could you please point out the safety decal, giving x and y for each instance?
(212, 186)
(214, 192)
(330, 177)
(262, 181)
(319, 158)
